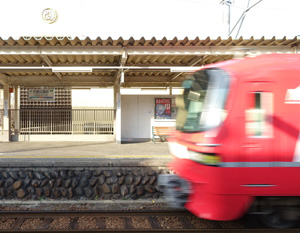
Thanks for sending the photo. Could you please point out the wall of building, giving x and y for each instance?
(137, 110)
(61, 98)
(79, 114)
(138, 117)
(92, 98)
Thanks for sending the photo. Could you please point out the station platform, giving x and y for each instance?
(88, 153)
(82, 150)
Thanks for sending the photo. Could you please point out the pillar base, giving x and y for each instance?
(4, 136)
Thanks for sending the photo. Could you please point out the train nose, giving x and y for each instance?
(175, 189)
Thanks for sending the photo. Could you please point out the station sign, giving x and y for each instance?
(41, 95)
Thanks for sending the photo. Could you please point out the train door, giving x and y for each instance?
(259, 133)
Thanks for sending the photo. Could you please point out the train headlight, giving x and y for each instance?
(182, 152)
(208, 159)
(195, 156)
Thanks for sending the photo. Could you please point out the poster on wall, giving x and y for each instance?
(162, 108)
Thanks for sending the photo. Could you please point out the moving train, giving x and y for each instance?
(236, 147)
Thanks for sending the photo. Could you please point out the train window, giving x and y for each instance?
(202, 104)
(259, 114)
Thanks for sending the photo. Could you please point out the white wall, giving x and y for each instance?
(92, 98)
(138, 117)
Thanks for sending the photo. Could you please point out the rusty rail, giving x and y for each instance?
(117, 221)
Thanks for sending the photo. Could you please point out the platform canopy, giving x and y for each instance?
(101, 62)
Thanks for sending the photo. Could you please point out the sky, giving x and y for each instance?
(149, 18)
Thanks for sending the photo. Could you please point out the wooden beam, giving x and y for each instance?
(256, 48)
(49, 63)
(4, 79)
(193, 62)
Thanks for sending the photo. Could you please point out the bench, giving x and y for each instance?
(161, 133)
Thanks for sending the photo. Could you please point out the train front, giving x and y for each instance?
(195, 145)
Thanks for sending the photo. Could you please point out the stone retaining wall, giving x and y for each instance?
(73, 183)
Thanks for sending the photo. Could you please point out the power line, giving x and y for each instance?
(242, 21)
(243, 16)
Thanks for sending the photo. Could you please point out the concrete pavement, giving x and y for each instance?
(85, 154)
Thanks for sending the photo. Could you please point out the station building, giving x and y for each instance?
(71, 89)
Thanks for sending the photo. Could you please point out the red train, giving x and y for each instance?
(236, 146)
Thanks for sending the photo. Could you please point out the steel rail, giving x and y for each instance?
(109, 213)
(156, 230)
(47, 217)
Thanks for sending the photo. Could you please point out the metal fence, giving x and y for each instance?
(62, 121)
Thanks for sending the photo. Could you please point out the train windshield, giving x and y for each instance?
(201, 105)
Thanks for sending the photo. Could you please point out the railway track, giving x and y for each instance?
(133, 221)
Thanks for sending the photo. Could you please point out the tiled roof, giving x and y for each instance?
(69, 41)
(30, 60)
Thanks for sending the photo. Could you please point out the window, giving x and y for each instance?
(259, 114)
(202, 104)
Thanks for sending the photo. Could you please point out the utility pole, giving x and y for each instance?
(226, 17)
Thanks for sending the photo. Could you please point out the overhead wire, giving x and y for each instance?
(242, 16)
(242, 21)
